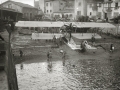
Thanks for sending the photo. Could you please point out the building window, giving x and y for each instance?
(78, 12)
(47, 11)
(70, 15)
(99, 4)
(99, 15)
(50, 10)
(9, 5)
(90, 5)
(50, 4)
(90, 13)
(24, 14)
(79, 4)
(116, 4)
(46, 4)
(30, 15)
(61, 3)
(116, 14)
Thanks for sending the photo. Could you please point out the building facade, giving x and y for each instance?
(107, 9)
(66, 9)
(80, 8)
(73, 8)
(42, 5)
(52, 6)
(28, 11)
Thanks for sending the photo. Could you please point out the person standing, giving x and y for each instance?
(93, 40)
(60, 41)
(50, 57)
(21, 54)
(54, 39)
(111, 48)
(21, 65)
(63, 57)
(70, 28)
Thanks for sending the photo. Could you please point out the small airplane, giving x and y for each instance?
(65, 29)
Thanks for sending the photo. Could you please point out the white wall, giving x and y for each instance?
(103, 9)
(89, 9)
(56, 6)
(82, 7)
(62, 5)
(41, 5)
(115, 10)
(100, 9)
(112, 15)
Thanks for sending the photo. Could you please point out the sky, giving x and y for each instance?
(30, 2)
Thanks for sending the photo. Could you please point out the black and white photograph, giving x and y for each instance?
(59, 44)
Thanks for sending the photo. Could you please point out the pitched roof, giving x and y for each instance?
(9, 9)
(20, 4)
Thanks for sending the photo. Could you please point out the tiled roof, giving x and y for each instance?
(20, 4)
(9, 9)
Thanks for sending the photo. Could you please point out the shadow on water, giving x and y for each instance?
(88, 74)
(49, 67)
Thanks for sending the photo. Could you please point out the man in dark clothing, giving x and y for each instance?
(54, 39)
(70, 31)
(111, 48)
(63, 57)
(21, 66)
(48, 55)
(21, 53)
(93, 39)
(60, 40)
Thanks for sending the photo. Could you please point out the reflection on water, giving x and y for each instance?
(3, 80)
(37, 77)
(84, 75)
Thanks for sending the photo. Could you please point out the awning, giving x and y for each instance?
(60, 24)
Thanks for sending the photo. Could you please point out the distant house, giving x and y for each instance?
(28, 11)
(60, 8)
(103, 10)
(67, 13)
(52, 6)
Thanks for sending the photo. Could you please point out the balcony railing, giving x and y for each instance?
(116, 8)
(107, 10)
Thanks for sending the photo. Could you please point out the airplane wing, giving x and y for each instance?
(60, 24)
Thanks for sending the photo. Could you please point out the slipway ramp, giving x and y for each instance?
(71, 44)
